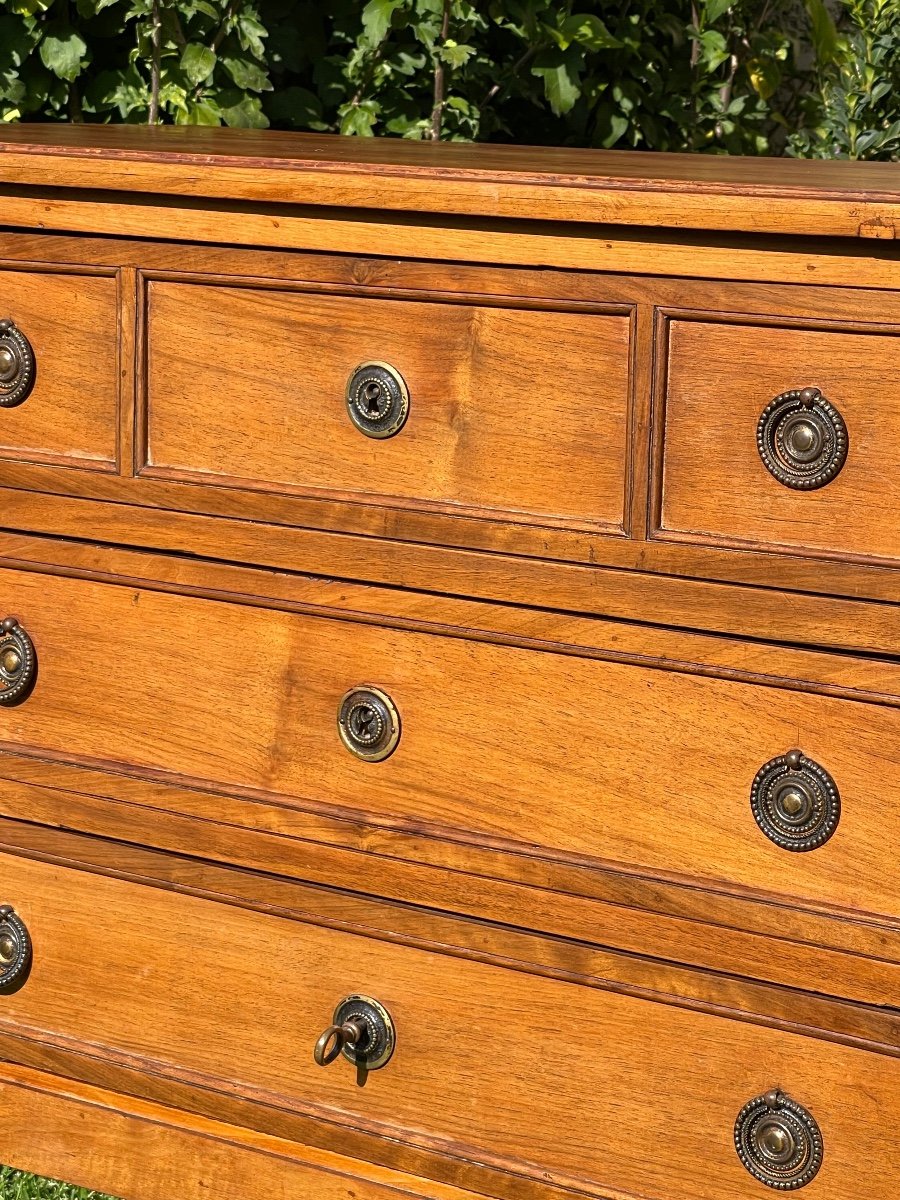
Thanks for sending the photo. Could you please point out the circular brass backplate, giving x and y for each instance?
(381, 1036)
(15, 949)
(377, 399)
(368, 723)
(802, 439)
(18, 662)
(795, 802)
(18, 368)
(778, 1141)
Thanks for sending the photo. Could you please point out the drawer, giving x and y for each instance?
(247, 388)
(715, 486)
(576, 758)
(234, 1000)
(63, 359)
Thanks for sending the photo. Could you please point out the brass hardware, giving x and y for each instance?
(778, 1141)
(15, 949)
(795, 802)
(18, 368)
(802, 439)
(377, 399)
(18, 663)
(362, 1030)
(368, 723)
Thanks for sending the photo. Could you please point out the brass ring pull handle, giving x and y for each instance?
(802, 439)
(377, 399)
(362, 1030)
(18, 368)
(778, 1141)
(15, 949)
(795, 802)
(368, 723)
(332, 1042)
(18, 662)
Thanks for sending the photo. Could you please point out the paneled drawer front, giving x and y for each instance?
(556, 1080)
(66, 341)
(716, 487)
(518, 414)
(498, 745)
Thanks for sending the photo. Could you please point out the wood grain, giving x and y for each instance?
(71, 322)
(715, 487)
(248, 699)
(466, 240)
(460, 1082)
(140, 1150)
(674, 191)
(248, 386)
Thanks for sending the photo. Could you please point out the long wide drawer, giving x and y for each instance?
(550, 1079)
(579, 758)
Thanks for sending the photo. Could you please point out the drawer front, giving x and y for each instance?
(498, 745)
(716, 488)
(237, 1000)
(248, 387)
(70, 327)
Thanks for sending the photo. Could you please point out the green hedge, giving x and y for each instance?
(16, 1185)
(753, 77)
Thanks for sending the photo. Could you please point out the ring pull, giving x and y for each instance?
(18, 662)
(15, 949)
(332, 1042)
(362, 1030)
(802, 439)
(795, 802)
(18, 367)
(778, 1141)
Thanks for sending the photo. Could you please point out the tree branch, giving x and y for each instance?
(155, 63)
(437, 113)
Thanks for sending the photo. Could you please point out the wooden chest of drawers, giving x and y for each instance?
(450, 674)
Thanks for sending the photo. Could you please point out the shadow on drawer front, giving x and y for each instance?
(58, 369)
(781, 437)
(768, 788)
(459, 409)
(725, 1105)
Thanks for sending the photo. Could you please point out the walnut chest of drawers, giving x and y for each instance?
(449, 670)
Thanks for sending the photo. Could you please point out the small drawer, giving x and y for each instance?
(763, 787)
(58, 369)
(554, 1081)
(781, 438)
(497, 412)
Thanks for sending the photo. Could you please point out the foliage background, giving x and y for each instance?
(752, 77)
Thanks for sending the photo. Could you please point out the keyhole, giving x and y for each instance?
(372, 397)
(364, 719)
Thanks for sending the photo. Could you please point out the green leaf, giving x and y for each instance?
(249, 76)
(561, 78)
(251, 33)
(824, 33)
(243, 113)
(358, 120)
(198, 63)
(456, 56)
(713, 9)
(764, 77)
(297, 107)
(376, 18)
(29, 8)
(63, 52)
(200, 113)
(588, 31)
